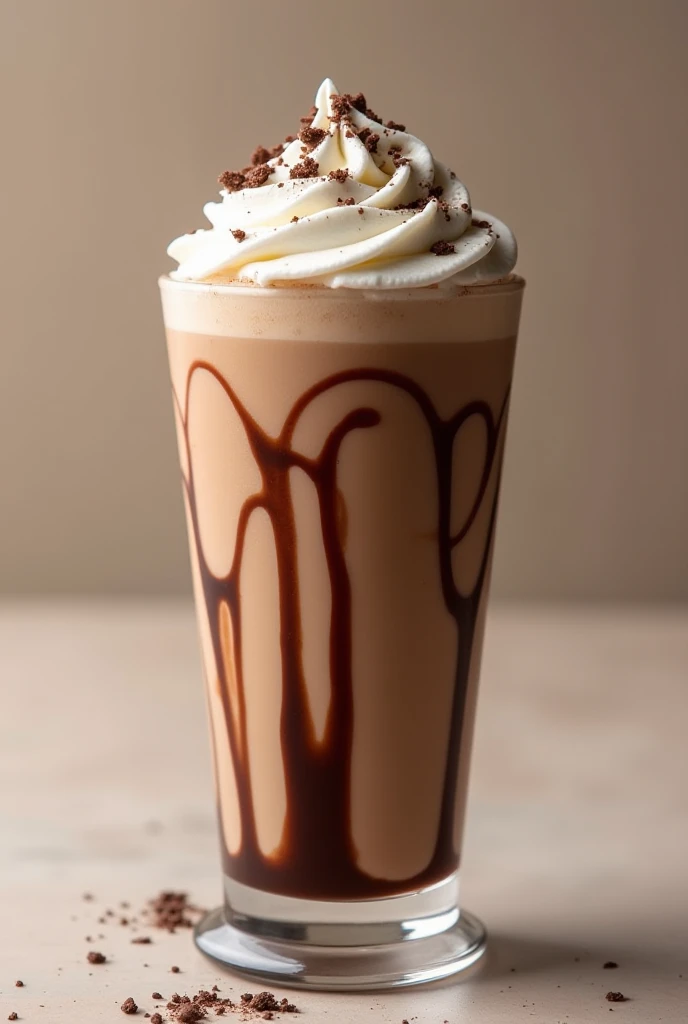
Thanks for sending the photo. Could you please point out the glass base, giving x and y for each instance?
(374, 944)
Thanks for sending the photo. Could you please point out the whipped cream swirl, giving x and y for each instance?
(350, 203)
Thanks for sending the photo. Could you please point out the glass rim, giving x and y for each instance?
(511, 283)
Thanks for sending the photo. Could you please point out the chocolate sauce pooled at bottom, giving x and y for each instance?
(305, 453)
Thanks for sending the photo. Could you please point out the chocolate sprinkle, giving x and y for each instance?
(442, 249)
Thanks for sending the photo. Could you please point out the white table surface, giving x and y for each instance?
(577, 835)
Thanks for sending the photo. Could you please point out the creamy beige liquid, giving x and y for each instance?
(341, 462)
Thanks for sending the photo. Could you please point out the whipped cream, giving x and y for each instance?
(350, 203)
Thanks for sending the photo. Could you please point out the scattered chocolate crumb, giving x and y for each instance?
(443, 249)
(340, 107)
(345, 202)
(129, 1006)
(172, 910)
(109, 913)
(294, 220)
(261, 155)
(124, 905)
(307, 168)
(239, 234)
(312, 136)
(96, 958)
(215, 988)
(233, 181)
(371, 142)
(157, 995)
(486, 224)
(397, 127)
(175, 970)
(88, 896)
(124, 921)
(435, 191)
(191, 1013)
(289, 138)
(616, 997)
(156, 1019)
(465, 206)
(142, 940)
(340, 175)
(19, 984)
(363, 134)
(280, 184)
(13, 1016)
(610, 965)
(349, 134)
(257, 176)
(307, 120)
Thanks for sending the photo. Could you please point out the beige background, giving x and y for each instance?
(564, 117)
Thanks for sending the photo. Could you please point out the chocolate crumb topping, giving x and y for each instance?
(349, 134)
(484, 224)
(340, 107)
(345, 202)
(257, 176)
(232, 180)
(616, 997)
(371, 142)
(435, 191)
(129, 1006)
(294, 220)
(261, 155)
(610, 965)
(465, 206)
(363, 134)
(360, 210)
(341, 174)
(239, 234)
(312, 136)
(397, 127)
(307, 120)
(307, 168)
(280, 184)
(442, 249)
(96, 958)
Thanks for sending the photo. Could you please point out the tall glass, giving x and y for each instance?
(341, 455)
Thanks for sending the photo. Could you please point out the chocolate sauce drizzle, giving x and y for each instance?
(316, 857)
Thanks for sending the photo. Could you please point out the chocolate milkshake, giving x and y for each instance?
(341, 346)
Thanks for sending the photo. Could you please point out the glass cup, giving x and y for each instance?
(341, 456)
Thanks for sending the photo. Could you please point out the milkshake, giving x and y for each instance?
(341, 347)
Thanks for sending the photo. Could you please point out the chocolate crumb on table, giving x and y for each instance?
(610, 965)
(129, 1006)
(157, 995)
(96, 958)
(13, 1016)
(442, 249)
(19, 984)
(175, 970)
(142, 940)
(156, 1019)
(616, 997)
